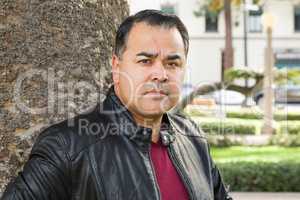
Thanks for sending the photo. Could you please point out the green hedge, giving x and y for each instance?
(246, 114)
(243, 126)
(261, 176)
(222, 141)
(290, 128)
(287, 140)
(286, 116)
(278, 116)
(228, 128)
(220, 131)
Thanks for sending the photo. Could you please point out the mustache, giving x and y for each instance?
(160, 87)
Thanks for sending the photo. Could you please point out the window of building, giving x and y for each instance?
(288, 58)
(211, 23)
(254, 21)
(169, 8)
(297, 18)
(287, 63)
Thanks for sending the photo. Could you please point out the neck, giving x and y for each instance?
(153, 123)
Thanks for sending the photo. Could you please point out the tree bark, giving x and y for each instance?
(228, 54)
(54, 63)
(208, 88)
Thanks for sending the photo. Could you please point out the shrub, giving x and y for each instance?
(289, 128)
(222, 141)
(288, 134)
(195, 112)
(246, 114)
(281, 116)
(261, 176)
(286, 75)
(223, 132)
(227, 128)
(278, 116)
(288, 140)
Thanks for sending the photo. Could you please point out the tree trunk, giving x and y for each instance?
(228, 54)
(201, 90)
(54, 63)
(208, 88)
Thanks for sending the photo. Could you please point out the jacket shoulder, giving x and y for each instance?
(186, 125)
(77, 133)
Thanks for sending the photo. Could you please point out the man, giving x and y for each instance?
(129, 147)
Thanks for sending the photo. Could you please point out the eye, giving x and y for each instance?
(173, 64)
(145, 61)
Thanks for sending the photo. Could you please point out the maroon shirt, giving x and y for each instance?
(169, 182)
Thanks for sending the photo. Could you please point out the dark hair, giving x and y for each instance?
(152, 18)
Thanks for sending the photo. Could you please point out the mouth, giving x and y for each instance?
(156, 93)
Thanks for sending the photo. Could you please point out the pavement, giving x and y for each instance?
(262, 195)
(265, 195)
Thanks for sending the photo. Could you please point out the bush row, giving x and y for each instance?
(290, 128)
(223, 141)
(230, 132)
(243, 127)
(278, 116)
(245, 114)
(287, 140)
(261, 176)
(224, 128)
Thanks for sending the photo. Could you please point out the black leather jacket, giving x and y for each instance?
(104, 155)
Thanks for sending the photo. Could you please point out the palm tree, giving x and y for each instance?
(215, 7)
(228, 53)
(64, 43)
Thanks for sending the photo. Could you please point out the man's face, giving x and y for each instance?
(150, 72)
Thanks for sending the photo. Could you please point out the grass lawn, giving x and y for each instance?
(256, 154)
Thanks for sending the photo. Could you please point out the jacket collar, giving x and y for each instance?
(140, 135)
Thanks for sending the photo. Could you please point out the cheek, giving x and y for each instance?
(176, 81)
(132, 81)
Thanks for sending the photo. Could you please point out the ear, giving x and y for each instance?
(115, 69)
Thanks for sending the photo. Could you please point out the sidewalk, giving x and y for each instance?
(265, 196)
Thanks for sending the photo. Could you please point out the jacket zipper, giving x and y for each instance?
(181, 172)
(154, 174)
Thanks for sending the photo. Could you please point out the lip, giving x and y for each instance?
(156, 93)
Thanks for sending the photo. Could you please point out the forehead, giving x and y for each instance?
(156, 39)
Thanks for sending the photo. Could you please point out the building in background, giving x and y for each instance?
(207, 35)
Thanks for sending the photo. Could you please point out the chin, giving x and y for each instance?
(155, 111)
(152, 107)
(152, 114)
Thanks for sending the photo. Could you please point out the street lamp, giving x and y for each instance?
(268, 125)
(247, 6)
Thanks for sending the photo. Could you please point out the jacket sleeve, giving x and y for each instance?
(220, 192)
(45, 175)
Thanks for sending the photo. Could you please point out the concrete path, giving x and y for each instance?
(262, 196)
(265, 196)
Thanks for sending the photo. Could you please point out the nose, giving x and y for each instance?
(159, 73)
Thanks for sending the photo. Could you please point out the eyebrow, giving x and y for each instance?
(146, 54)
(173, 57)
(154, 55)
